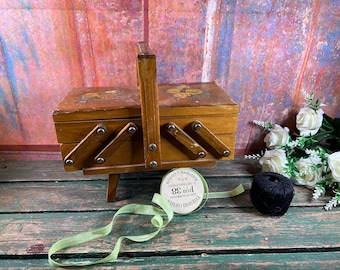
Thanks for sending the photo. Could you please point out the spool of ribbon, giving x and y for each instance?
(187, 191)
(162, 213)
(271, 193)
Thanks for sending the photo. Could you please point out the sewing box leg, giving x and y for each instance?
(112, 187)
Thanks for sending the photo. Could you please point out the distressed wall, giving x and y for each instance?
(263, 53)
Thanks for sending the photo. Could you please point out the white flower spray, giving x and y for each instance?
(307, 154)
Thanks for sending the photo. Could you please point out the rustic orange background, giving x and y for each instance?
(263, 53)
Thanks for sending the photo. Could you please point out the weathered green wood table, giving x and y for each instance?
(40, 204)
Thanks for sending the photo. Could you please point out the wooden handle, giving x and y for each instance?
(85, 147)
(143, 48)
(147, 78)
(123, 136)
(188, 142)
(211, 139)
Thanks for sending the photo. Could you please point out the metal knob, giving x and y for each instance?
(153, 147)
(100, 160)
(69, 162)
(201, 154)
(132, 129)
(171, 127)
(226, 153)
(153, 164)
(197, 126)
(101, 131)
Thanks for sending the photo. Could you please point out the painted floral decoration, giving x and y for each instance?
(310, 156)
(108, 94)
(184, 91)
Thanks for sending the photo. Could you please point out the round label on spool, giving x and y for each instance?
(184, 190)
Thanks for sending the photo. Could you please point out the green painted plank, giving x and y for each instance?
(51, 170)
(210, 230)
(291, 260)
(47, 170)
(43, 208)
(91, 195)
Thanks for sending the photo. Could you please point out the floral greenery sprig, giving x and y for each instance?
(311, 158)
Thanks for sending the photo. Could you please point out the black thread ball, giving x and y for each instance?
(271, 193)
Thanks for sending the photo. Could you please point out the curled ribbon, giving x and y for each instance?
(157, 221)
(161, 217)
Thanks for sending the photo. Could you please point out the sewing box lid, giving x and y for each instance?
(184, 99)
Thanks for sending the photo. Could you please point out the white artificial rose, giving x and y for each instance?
(277, 137)
(334, 165)
(273, 161)
(309, 121)
(309, 174)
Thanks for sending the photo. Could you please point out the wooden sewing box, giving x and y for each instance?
(114, 130)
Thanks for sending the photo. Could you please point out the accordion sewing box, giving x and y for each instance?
(114, 130)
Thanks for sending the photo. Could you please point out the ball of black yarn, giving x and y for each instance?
(271, 193)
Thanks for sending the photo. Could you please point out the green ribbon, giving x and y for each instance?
(157, 221)
(162, 215)
(225, 194)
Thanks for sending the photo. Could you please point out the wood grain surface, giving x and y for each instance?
(41, 204)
